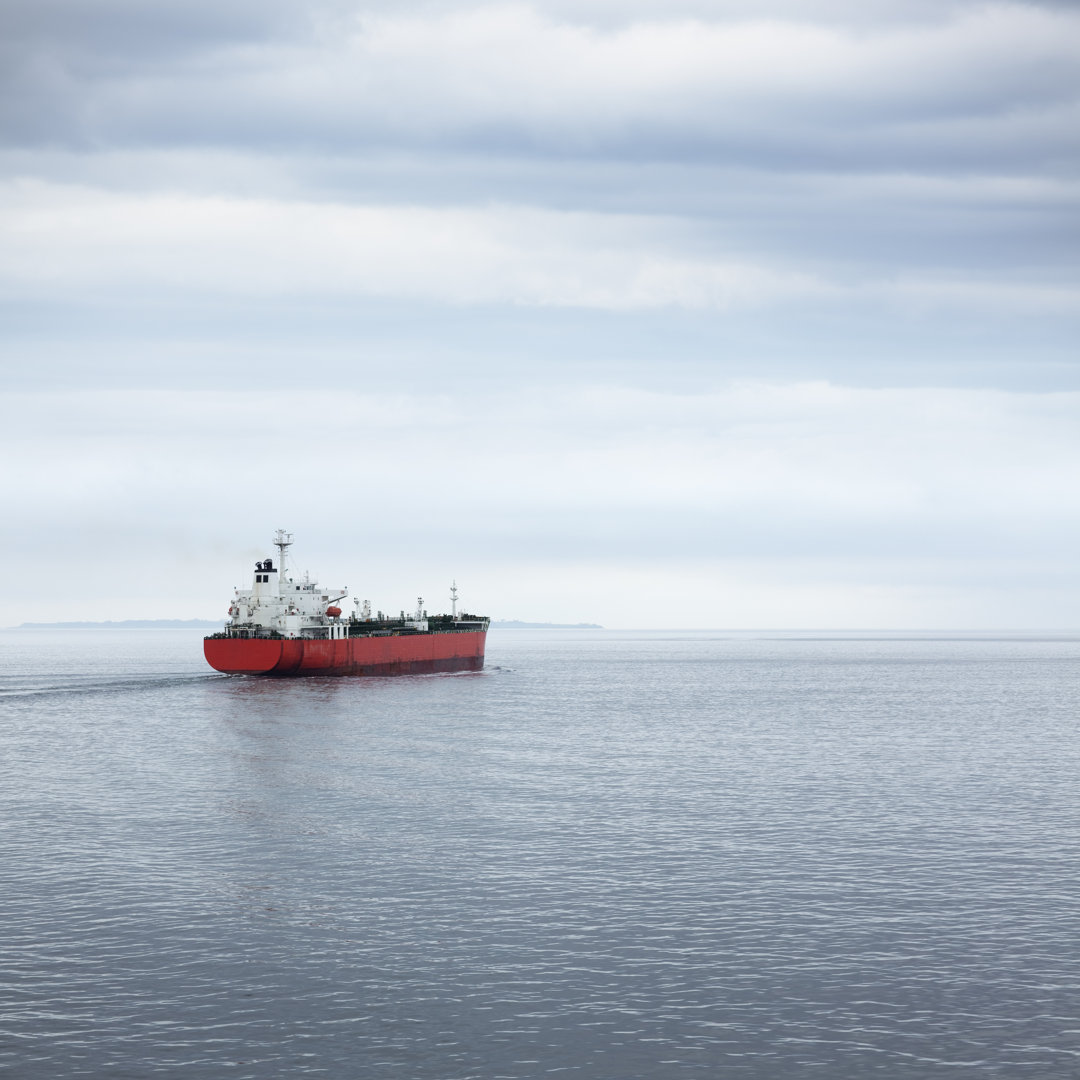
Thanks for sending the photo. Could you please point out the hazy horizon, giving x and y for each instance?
(958, 633)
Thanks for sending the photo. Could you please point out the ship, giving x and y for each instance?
(285, 625)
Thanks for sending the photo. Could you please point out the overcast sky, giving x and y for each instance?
(693, 313)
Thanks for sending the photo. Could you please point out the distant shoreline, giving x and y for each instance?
(204, 624)
(123, 624)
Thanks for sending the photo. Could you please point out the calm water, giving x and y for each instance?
(610, 855)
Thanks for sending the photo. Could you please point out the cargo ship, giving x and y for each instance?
(286, 625)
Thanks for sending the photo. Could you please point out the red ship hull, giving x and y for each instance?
(407, 654)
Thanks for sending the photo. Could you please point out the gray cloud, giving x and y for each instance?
(136, 35)
(985, 87)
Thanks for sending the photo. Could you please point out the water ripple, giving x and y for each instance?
(645, 857)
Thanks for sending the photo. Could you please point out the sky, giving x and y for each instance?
(693, 313)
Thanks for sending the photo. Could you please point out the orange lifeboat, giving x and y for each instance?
(333, 612)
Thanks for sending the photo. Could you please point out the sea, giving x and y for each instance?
(614, 855)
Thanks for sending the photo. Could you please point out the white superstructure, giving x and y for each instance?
(279, 603)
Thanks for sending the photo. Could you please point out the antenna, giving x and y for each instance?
(282, 540)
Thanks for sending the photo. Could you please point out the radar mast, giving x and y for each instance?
(282, 540)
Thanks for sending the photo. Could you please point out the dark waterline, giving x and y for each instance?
(613, 855)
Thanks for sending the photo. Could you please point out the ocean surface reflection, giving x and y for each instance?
(614, 855)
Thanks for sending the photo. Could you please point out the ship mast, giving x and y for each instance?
(453, 600)
(282, 540)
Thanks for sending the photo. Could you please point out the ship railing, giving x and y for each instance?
(354, 628)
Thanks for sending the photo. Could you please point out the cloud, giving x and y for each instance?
(523, 80)
(63, 239)
(129, 29)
